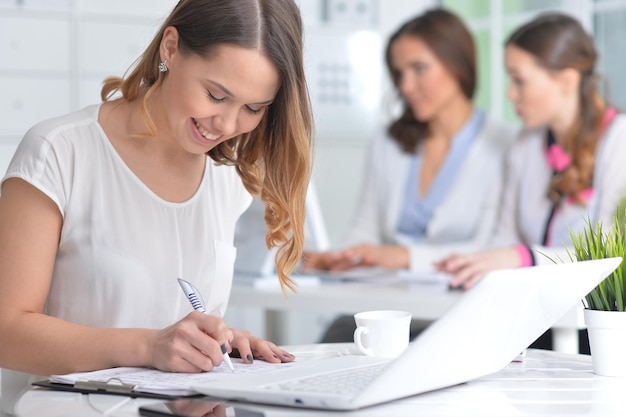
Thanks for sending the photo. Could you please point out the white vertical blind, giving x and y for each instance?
(609, 26)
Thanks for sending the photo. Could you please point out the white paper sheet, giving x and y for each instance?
(168, 383)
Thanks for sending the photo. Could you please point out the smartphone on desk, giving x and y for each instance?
(195, 407)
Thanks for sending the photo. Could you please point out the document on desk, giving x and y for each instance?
(165, 383)
(386, 276)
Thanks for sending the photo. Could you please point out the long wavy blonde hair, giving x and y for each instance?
(273, 160)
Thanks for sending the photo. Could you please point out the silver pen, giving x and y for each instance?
(196, 301)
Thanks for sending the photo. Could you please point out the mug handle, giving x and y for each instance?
(358, 333)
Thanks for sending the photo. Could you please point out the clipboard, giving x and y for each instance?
(112, 387)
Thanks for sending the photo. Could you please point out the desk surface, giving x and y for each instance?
(544, 384)
(424, 301)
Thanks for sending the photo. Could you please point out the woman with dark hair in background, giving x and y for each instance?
(103, 209)
(433, 181)
(567, 167)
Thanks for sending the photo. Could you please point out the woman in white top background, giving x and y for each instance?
(103, 209)
(433, 180)
(567, 166)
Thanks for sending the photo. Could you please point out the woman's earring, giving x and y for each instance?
(163, 66)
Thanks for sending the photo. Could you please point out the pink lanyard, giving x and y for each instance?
(559, 160)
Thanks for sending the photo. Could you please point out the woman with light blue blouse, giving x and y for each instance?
(433, 179)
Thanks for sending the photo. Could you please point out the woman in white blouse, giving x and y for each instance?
(103, 209)
(567, 166)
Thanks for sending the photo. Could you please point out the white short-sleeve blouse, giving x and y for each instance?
(122, 246)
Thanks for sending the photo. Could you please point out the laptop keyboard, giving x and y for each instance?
(345, 382)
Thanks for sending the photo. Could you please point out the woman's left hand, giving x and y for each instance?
(469, 269)
(251, 347)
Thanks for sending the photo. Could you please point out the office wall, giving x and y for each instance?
(55, 53)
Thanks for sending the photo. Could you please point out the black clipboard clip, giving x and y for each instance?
(111, 386)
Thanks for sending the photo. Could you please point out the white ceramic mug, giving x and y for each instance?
(383, 333)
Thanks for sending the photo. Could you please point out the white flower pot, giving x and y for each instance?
(607, 340)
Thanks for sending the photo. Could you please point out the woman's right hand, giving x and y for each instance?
(193, 344)
(467, 270)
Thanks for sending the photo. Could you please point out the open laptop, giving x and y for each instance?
(490, 325)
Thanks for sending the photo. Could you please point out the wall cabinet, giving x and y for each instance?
(54, 55)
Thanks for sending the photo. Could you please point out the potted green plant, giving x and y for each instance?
(605, 305)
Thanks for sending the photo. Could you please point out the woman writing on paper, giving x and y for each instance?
(103, 209)
(432, 183)
(567, 166)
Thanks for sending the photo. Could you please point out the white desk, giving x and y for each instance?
(544, 384)
(425, 302)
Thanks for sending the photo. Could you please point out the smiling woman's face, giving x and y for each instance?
(209, 101)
